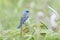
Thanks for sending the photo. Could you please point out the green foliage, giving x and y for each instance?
(10, 15)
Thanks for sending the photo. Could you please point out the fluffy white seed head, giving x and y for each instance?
(40, 14)
(53, 18)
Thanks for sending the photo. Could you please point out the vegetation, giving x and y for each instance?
(10, 15)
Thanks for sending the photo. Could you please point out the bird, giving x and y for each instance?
(23, 18)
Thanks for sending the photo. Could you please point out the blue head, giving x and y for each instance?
(26, 12)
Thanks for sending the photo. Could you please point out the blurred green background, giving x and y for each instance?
(12, 10)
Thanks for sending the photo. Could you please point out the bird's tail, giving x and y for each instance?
(19, 26)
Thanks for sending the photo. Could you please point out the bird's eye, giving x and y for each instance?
(27, 11)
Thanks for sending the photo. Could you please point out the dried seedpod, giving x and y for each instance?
(26, 30)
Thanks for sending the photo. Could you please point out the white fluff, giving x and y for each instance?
(40, 14)
(53, 18)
